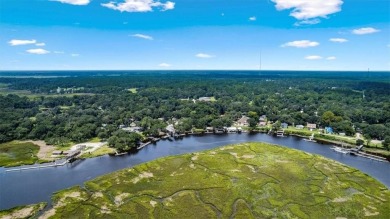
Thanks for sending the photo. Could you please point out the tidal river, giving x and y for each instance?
(37, 185)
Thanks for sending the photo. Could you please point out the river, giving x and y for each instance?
(37, 185)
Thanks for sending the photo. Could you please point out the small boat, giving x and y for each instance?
(340, 150)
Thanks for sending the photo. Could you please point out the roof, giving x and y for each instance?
(244, 119)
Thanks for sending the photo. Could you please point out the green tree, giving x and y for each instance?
(359, 142)
(386, 143)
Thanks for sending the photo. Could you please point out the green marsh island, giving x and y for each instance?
(251, 180)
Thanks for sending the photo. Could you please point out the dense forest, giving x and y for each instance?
(63, 109)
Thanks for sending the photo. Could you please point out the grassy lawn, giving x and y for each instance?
(133, 90)
(250, 180)
(99, 152)
(17, 153)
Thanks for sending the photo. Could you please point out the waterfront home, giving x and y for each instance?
(311, 126)
(263, 118)
(209, 129)
(231, 130)
(299, 126)
(262, 123)
(329, 130)
(170, 129)
(243, 121)
(284, 125)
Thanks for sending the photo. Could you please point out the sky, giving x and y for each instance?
(345, 35)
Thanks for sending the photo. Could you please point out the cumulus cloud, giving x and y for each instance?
(21, 42)
(313, 57)
(301, 44)
(365, 30)
(165, 65)
(331, 58)
(142, 36)
(40, 44)
(308, 11)
(74, 2)
(139, 5)
(204, 56)
(338, 40)
(37, 51)
(252, 18)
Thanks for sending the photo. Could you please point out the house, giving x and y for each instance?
(299, 126)
(329, 130)
(209, 129)
(133, 129)
(133, 124)
(284, 125)
(262, 123)
(263, 118)
(232, 130)
(243, 121)
(311, 126)
(205, 99)
(170, 129)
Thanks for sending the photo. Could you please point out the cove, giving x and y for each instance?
(37, 185)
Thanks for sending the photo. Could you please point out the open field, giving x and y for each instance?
(18, 153)
(252, 180)
(133, 90)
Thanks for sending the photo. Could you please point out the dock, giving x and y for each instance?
(38, 167)
(144, 145)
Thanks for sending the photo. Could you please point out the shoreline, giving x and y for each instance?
(318, 140)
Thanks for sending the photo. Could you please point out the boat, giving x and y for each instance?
(340, 150)
(280, 133)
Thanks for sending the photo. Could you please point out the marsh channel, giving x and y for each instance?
(37, 185)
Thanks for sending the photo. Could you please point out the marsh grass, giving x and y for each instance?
(252, 180)
(18, 153)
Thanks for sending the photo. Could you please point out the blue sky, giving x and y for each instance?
(194, 34)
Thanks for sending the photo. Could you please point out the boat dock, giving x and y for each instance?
(38, 167)
(143, 145)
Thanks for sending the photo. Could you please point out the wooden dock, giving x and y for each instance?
(37, 167)
(143, 145)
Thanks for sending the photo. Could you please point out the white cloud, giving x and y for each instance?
(21, 42)
(142, 36)
(58, 52)
(308, 11)
(365, 30)
(301, 44)
(331, 58)
(204, 56)
(74, 55)
(37, 51)
(313, 57)
(338, 40)
(40, 44)
(165, 65)
(252, 18)
(74, 2)
(139, 5)
(308, 22)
